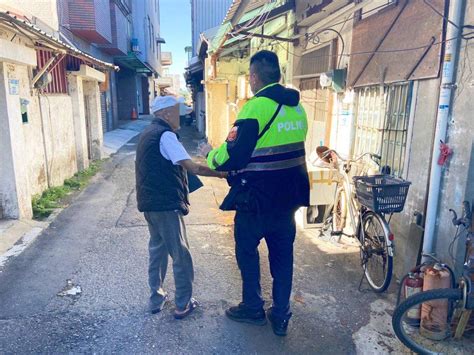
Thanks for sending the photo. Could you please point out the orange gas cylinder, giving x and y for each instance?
(413, 285)
(434, 314)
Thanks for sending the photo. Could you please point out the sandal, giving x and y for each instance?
(192, 305)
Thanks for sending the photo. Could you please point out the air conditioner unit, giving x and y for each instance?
(335, 79)
(44, 81)
(325, 79)
(135, 46)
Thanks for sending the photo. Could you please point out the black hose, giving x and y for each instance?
(402, 284)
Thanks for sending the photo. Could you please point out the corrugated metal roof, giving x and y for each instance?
(6, 16)
(251, 11)
(254, 4)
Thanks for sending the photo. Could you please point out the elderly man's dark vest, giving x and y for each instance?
(161, 186)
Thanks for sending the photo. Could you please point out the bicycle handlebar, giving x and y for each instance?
(329, 151)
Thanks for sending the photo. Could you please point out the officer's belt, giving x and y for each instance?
(281, 149)
(275, 165)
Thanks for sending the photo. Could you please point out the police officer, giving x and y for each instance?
(265, 155)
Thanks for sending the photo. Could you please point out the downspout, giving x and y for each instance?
(446, 90)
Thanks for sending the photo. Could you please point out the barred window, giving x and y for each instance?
(58, 85)
(381, 123)
(316, 62)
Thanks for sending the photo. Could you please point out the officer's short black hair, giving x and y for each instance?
(267, 66)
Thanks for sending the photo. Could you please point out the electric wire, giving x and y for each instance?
(253, 22)
(380, 7)
(378, 51)
(259, 24)
(466, 36)
(465, 67)
(427, 3)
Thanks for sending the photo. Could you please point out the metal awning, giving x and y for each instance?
(131, 61)
(35, 33)
(267, 11)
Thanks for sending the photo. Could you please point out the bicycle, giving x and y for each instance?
(444, 313)
(366, 200)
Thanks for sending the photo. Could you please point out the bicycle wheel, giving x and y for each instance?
(375, 259)
(439, 311)
(339, 212)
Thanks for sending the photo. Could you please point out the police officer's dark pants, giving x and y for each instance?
(279, 231)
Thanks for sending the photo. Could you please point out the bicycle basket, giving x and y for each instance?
(381, 193)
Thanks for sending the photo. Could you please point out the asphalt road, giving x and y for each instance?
(82, 285)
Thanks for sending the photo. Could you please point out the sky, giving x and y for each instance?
(175, 28)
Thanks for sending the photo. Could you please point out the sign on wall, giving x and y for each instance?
(14, 86)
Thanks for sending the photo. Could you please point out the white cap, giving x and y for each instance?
(162, 102)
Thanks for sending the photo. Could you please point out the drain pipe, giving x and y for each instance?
(446, 89)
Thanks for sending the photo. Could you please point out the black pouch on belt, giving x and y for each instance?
(241, 197)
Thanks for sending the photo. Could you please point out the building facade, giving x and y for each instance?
(50, 108)
(61, 86)
(124, 32)
(227, 63)
(368, 84)
(206, 15)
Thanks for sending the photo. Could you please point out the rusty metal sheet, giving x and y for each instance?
(416, 26)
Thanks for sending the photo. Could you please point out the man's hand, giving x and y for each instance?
(204, 149)
(198, 169)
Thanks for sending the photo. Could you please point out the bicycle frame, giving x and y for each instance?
(352, 207)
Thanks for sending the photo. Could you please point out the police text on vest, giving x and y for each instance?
(290, 126)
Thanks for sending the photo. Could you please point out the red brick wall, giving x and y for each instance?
(90, 19)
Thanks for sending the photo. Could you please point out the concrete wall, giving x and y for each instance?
(43, 10)
(76, 90)
(217, 120)
(43, 151)
(458, 175)
(49, 137)
(15, 197)
(418, 155)
(222, 103)
(94, 118)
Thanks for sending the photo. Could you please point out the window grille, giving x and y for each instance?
(316, 62)
(58, 85)
(381, 123)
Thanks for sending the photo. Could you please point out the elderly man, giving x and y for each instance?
(161, 170)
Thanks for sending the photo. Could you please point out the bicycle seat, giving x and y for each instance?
(324, 156)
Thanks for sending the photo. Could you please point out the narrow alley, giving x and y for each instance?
(82, 285)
